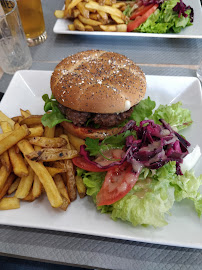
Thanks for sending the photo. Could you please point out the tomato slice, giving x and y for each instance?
(141, 19)
(118, 182)
(140, 11)
(85, 165)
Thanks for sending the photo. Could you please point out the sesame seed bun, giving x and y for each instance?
(98, 82)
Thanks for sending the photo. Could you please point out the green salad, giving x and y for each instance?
(155, 188)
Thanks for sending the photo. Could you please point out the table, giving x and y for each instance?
(156, 56)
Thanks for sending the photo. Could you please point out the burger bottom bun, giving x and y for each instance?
(84, 132)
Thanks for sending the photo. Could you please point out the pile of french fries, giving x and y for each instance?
(35, 161)
(91, 15)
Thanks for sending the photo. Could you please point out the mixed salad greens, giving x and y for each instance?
(138, 174)
(159, 16)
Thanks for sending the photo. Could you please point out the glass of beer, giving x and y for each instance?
(32, 18)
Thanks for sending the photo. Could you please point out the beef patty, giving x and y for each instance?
(103, 120)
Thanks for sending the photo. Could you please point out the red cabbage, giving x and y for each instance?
(154, 146)
(181, 8)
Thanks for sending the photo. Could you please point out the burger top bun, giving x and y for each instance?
(98, 81)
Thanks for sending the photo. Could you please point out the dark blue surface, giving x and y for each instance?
(8, 263)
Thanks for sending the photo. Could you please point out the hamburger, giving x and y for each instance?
(96, 91)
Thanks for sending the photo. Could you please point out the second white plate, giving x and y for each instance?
(194, 31)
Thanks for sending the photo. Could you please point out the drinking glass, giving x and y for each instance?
(32, 18)
(14, 52)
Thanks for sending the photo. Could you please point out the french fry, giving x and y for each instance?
(94, 16)
(37, 187)
(59, 164)
(79, 25)
(48, 142)
(52, 154)
(25, 114)
(117, 19)
(4, 135)
(13, 138)
(47, 181)
(3, 176)
(7, 185)
(71, 27)
(9, 203)
(6, 161)
(6, 127)
(14, 186)
(25, 184)
(30, 197)
(89, 28)
(106, 2)
(31, 120)
(18, 163)
(5, 118)
(114, 28)
(67, 12)
(108, 9)
(89, 21)
(61, 186)
(53, 171)
(119, 5)
(76, 13)
(72, 4)
(80, 186)
(58, 130)
(59, 14)
(17, 119)
(104, 17)
(70, 180)
(49, 132)
(35, 131)
(81, 7)
(75, 141)
(65, 204)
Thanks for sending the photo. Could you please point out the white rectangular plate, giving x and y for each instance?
(184, 228)
(194, 31)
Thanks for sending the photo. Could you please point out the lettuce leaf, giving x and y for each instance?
(152, 197)
(143, 110)
(54, 117)
(166, 20)
(178, 117)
